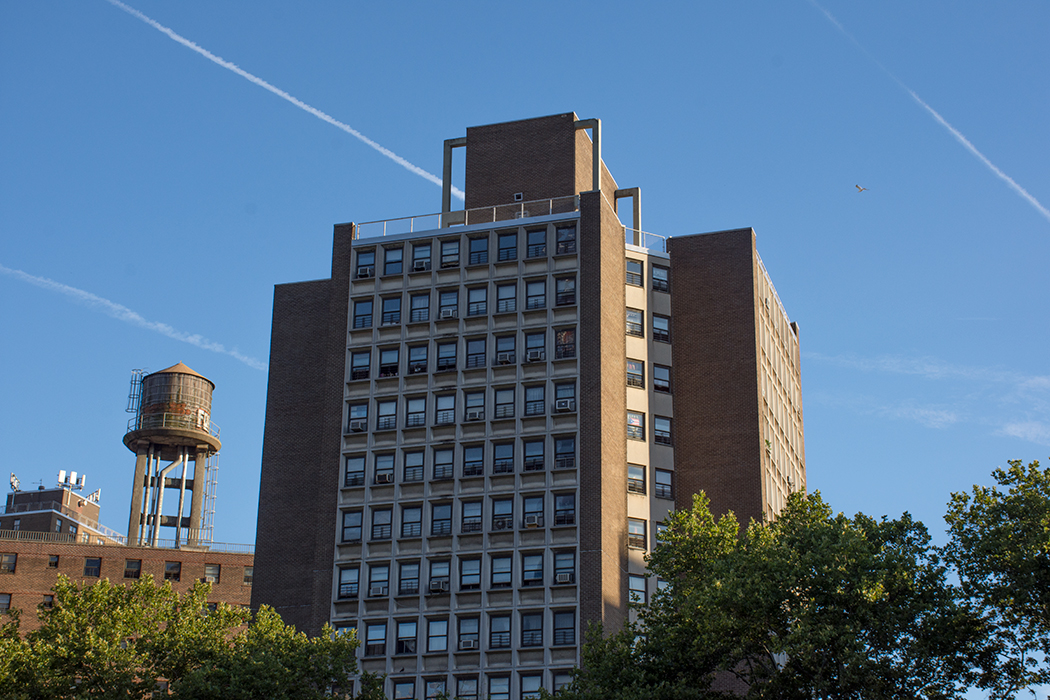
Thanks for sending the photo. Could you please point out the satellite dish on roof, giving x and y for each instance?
(15, 483)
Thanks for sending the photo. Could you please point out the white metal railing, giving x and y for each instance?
(185, 421)
(76, 517)
(653, 241)
(769, 281)
(466, 217)
(121, 540)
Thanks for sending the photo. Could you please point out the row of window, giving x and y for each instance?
(132, 568)
(499, 633)
(502, 459)
(466, 687)
(661, 376)
(636, 325)
(636, 275)
(471, 518)
(447, 252)
(636, 428)
(499, 574)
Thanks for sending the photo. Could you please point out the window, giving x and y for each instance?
(471, 517)
(476, 353)
(564, 628)
(564, 567)
(661, 279)
(499, 689)
(503, 458)
(382, 520)
(445, 413)
(479, 251)
(16, 524)
(420, 257)
(530, 687)
(420, 308)
(506, 298)
(565, 291)
(534, 401)
(406, 644)
(391, 311)
(434, 689)
(507, 246)
(502, 514)
(172, 570)
(443, 467)
(392, 261)
(499, 631)
(565, 343)
(352, 526)
(366, 264)
(441, 519)
(58, 524)
(357, 418)
(501, 573)
(450, 253)
(536, 242)
(566, 239)
(660, 532)
(375, 639)
(565, 509)
(416, 412)
(504, 403)
(437, 635)
(477, 301)
(535, 294)
(355, 471)
(532, 629)
(635, 325)
(662, 379)
(535, 347)
(467, 689)
(52, 561)
(664, 484)
(469, 629)
(475, 405)
(363, 313)
(561, 679)
(359, 363)
(661, 328)
(5, 601)
(469, 574)
(386, 418)
(8, 562)
(411, 521)
(388, 362)
(533, 450)
(636, 373)
(565, 452)
(249, 574)
(446, 357)
(532, 511)
(413, 465)
(378, 580)
(565, 396)
(448, 304)
(636, 478)
(636, 588)
(417, 359)
(48, 601)
(408, 578)
(405, 690)
(349, 582)
(635, 276)
(212, 572)
(636, 533)
(662, 430)
(474, 460)
(635, 426)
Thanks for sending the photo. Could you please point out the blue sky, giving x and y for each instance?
(138, 171)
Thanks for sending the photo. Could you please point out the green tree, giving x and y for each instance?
(1000, 546)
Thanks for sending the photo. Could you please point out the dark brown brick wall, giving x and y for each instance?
(716, 401)
(603, 432)
(295, 535)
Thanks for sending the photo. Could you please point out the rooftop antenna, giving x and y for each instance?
(15, 483)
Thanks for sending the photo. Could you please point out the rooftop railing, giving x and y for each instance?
(468, 217)
(120, 540)
(184, 421)
(75, 517)
(644, 239)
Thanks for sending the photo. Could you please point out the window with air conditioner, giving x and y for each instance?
(357, 418)
(502, 514)
(565, 397)
(564, 568)
(469, 630)
(535, 347)
(448, 304)
(439, 577)
(421, 257)
(505, 350)
(378, 580)
(532, 511)
(212, 573)
(366, 264)
(474, 408)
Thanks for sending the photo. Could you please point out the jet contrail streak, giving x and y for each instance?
(285, 96)
(123, 313)
(940, 120)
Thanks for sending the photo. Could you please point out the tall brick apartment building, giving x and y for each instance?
(476, 426)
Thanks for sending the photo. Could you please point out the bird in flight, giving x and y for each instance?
(861, 189)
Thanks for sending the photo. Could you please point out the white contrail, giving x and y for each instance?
(123, 313)
(940, 120)
(285, 96)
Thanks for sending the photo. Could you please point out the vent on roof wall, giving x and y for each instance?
(519, 196)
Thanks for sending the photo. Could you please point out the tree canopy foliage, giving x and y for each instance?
(119, 641)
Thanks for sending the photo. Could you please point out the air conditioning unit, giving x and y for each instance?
(563, 578)
(534, 356)
(385, 478)
(420, 265)
(465, 644)
(416, 369)
(476, 414)
(504, 358)
(358, 426)
(532, 521)
(439, 586)
(564, 405)
(365, 272)
(499, 524)
(377, 590)
(448, 313)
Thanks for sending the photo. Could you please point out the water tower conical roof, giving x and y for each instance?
(180, 368)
